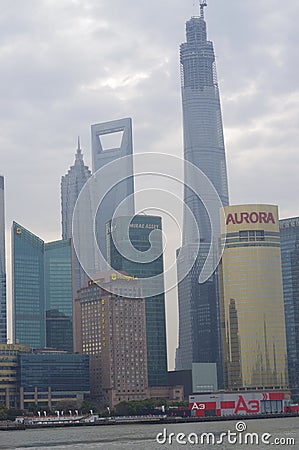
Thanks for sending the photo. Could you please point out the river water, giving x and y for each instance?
(278, 433)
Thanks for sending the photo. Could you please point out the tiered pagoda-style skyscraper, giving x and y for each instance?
(71, 185)
(199, 337)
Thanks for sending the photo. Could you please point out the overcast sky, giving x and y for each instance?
(66, 64)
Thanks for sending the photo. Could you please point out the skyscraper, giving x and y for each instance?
(103, 153)
(42, 291)
(140, 229)
(289, 242)
(3, 325)
(29, 325)
(71, 185)
(58, 294)
(199, 333)
(252, 308)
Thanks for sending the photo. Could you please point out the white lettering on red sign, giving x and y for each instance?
(198, 406)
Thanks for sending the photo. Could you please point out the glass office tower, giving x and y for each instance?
(58, 291)
(139, 231)
(199, 333)
(3, 325)
(42, 291)
(289, 243)
(29, 325)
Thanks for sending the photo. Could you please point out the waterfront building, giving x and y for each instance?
(113, 332)
(9, 363)
(252, 309)
(104, 152)
(199, 326)
(140, 228)
(244, 404)
(71, 185)
(47, 378)
(42, 291)
(3, 319)
(289, 242)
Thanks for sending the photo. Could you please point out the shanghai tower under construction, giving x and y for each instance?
(199, 327)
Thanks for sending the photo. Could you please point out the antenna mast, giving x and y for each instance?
(202, 5)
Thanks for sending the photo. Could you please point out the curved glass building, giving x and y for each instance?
(252, 312)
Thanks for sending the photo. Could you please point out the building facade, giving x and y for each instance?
(3, 318)
(199, 327)
(238, 404)
(289, 242)
(42, 291)
(29, 324)
(71, 185)
(49, 378)
(104, 153)
(9, 364)
(113, 332)
(252, 309)
(58, 294)
(140, 229)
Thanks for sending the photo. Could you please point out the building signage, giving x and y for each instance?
(250, 217)
(252, 406)
(120, 276)
(152, 226)
(227, 404)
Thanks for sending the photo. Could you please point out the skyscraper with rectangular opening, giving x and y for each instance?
(111, 141)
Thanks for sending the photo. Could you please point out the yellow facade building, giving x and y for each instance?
(9, 362)
(252, 308)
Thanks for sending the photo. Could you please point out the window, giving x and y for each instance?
(251, 235)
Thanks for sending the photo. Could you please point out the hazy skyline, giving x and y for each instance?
(67, 64)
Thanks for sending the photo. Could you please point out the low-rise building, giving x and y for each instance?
(46, 378)
(9, 363)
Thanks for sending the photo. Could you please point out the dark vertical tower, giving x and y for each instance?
(204, 147)
(58, 294)
(3, 326)
(289, 244)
